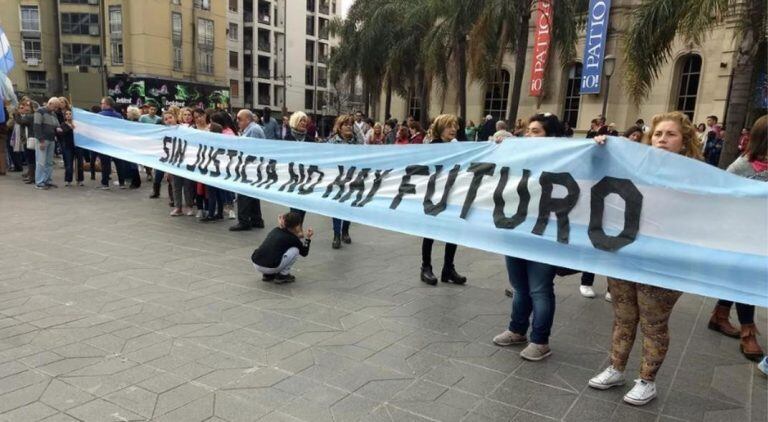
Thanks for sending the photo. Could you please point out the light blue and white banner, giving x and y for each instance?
(594, 46)
(622, 209)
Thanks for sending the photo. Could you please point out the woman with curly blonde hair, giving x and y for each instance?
(442, 130)
(641, 304)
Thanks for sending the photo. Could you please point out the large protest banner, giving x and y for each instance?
(622, 209)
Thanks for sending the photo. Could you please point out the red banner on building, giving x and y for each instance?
(540, 46)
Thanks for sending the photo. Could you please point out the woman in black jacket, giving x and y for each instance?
(70, 152)
(443, 130)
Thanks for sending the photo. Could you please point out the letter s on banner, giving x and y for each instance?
(540, 47)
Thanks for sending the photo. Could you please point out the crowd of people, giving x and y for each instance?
(36, 133)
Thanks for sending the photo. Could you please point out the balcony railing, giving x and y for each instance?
(264, 73)
(264, 99)
(264, 46)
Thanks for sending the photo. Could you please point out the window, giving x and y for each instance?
(311, 25)
(117, 51)
(176, 39)
(310, 51)
(36, 81)
(31, 49)
(203, 4)
(322, 52)
(325, 7)
(30, 18)
(80, 23)
(178, 58)
(414, 107)
(324, 28)
(233, 5)
(81, 54)
(176, 2)
(205, 46)
(322, 77)
(116, 21)
(94, 2)
(232, 32)
(309, 99)
(690, 73)
(234, 88)
(311, 6)
(572, 97)
(233, 60)
(497, 95)
(309, 76)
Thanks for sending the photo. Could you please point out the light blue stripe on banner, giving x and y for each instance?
(713, 271)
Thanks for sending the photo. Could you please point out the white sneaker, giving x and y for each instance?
(508, 338)
(199, 214)
(587, 291)
(642, 393)
(610, 377)
(190, 212)
(608, 297)
(232, 215)
(763, 365)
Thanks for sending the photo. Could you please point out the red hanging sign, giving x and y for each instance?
(540, 46)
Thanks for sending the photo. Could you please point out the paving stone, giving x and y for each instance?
(126, 315)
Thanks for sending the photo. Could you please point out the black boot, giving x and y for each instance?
(345, 237)
(450, 275)
(336, 242)
(427, 276)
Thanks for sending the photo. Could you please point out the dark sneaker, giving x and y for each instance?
(284, 278)
(268, 278)
(239, 227)
(345, 238)
(258, 225)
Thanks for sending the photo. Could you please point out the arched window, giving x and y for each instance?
(572, 97)
(688, 88)
(497, 96)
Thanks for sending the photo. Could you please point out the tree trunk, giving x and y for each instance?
(741, 92)
(366, 98)
(521, 49)
(388, 99)
(461, 57)
(423, 99)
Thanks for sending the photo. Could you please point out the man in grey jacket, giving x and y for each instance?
(44, 128)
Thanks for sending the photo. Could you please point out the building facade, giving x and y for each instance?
(208, 53)
(696, 81)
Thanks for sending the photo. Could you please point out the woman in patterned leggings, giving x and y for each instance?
(636, 303)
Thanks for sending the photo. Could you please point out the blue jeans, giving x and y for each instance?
(534, 294)
(340, 226)
(44, 163)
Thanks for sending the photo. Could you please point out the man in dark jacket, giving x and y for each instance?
(488, 129)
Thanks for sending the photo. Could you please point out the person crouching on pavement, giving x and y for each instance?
(280, 250)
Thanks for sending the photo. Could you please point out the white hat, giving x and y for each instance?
(489, 117)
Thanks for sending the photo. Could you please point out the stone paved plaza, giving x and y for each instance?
(112, 311)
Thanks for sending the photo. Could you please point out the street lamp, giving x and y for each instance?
(609, 65)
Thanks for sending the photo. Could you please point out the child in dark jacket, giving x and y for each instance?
(280, 250)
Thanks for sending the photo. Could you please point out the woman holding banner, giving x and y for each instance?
(753, 165)
(637, 303)
(343, 133)
(532, 282)
(443, 130)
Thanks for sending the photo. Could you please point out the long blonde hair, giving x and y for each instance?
(691, 142)
(440, 123)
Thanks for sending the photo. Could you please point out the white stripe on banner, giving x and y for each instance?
(622, 209)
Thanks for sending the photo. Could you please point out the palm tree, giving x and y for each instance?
(503, 26)
(646, 51)
(446, 44)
